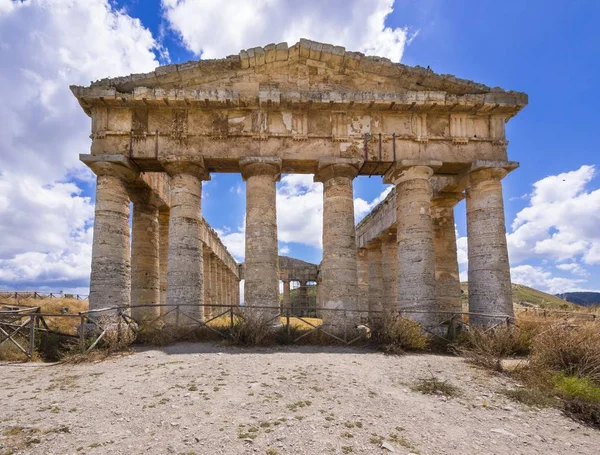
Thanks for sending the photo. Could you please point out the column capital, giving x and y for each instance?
(332, 167)
(405, 170)
(446, 199)
(192, 165)
(486, 170)
(113, 165)
(251, 166)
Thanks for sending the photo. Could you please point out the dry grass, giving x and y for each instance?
(433, 386)
(395, 334)
(572, 350)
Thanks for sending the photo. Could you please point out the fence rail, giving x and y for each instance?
(22, 295)
(23, 325)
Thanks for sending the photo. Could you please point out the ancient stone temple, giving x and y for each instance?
(310, 108)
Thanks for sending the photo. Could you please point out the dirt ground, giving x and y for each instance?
(209, 399)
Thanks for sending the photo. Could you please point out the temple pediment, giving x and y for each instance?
(306, 74)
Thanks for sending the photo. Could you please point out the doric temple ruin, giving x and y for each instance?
(310, 108)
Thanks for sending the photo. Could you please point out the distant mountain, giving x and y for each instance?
(524, 296)
(581, 298)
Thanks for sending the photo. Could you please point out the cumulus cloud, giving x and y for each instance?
(561, 221)
(46, 45)
(538, 278)
(356, 24)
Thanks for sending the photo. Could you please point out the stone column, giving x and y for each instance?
(206, 279)
(184, 274)
(214, 283)
(447, 280)
(219, 284)
(490, 289)
(110, 281)
(261, 274)
(389, 271)
(237, 292)
(163, 229)
(303, 298)
(338, 268)
(363, 281)
(145, 250)
(229, 287)
(416, 257)
(375, 279)
(287, 301)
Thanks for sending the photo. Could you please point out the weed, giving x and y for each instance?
(433, 386)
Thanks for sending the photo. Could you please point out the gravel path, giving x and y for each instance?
(208, 399)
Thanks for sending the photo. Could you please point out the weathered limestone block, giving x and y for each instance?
(338, 268)
(375, 279)
(163, 226)
(389, 269)
(184, 270)
(416, 257)
(261, 273)
(110, 282)
(145, 263)
(490, 289)
(362, 265)
(446, 260)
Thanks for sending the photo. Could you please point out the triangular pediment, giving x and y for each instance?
(306, 66)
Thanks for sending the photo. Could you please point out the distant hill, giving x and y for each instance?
(525, 296)
(581, 298)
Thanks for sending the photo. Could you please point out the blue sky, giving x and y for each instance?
(545, 49)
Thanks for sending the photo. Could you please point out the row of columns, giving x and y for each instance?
(413, 268)
(409, 269)
(168, 262)
(301, 303)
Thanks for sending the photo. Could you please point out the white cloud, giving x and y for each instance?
(356, 24)
(561, 221)
(300, 210)
(46, 45)
(538, 278)
(574, 268)
(299, 215)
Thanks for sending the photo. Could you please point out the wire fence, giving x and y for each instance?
(25, 295)
(25, 327)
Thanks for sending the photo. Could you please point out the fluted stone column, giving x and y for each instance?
(184, 274)
(206, 278)
(490, 289)
(261, 274)
(163, 229)
(375, 279)
(416, 257)
(237, 292)
(362, 263)
(110, 280)
(145, 262)
(447, 280)
(338, 268)
(219, 284)
(302, 298)
(287, 303)
(214, 284)
(389, 271)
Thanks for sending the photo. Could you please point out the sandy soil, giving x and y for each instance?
(208, 399)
